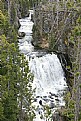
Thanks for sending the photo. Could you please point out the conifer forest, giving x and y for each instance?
(40, 60)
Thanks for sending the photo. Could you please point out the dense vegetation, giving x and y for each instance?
(63, 33)
(16, 92)
(58, 24)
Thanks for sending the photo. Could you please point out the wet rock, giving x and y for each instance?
(45, 96)
(50, 97)
(40, 102)
(35, 100)
(52, 94)
(52, 105)
(57, 99)
(52, 100)
(37, 96)
(45, 99)
(21, 35)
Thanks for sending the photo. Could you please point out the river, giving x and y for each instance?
(49, 79)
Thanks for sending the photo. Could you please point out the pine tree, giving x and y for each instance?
(16, 84)
(8, 80)
(25, 97)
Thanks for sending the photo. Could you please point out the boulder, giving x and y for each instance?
(21, 35)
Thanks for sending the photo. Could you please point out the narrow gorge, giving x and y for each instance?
(40, 60)
(49, 81)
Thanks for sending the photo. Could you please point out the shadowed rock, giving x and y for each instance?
(21, 35)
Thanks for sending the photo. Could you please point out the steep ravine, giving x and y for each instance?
(49, 79)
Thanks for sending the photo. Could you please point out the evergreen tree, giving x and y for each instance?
(25, 96)
(8, 80)
(15, 77)
(16, 84)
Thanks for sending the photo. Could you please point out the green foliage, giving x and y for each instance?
(47, 113)
(25, 5)
(3, 24)
(70, 116)
(52, 41)
(77, 74)
(80, 85)
(8, 82)
(25, 97)
(75, 38)
(70, 4)
(15, 77)
(16, 83)
(68, 67)
(77, 31)
(1, 110)
(36, 33)
(2, 19)
(79, 20)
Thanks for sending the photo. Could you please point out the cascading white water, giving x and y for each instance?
(49, 81)
(49, 78)
(25, 45)
(48, 73)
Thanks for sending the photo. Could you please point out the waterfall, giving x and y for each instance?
(48, 73)
(49, 81)
(25, 45)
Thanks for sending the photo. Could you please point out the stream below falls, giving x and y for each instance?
(49, 79)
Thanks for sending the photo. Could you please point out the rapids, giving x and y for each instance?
(49, 80)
